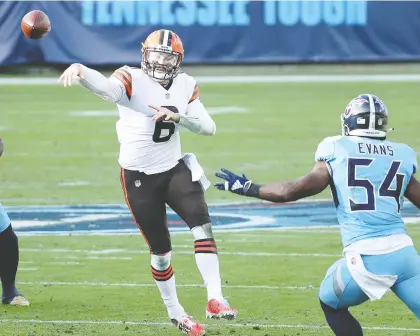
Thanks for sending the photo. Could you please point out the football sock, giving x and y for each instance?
(165, 280)
(207, 261)
(341, 321)
(9, 259)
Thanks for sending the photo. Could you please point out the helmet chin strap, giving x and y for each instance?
(162, 81)
(344, 130)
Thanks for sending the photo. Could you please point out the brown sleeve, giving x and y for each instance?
(195, 95)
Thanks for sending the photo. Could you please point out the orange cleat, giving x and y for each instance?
(220, 309)
(188, 326)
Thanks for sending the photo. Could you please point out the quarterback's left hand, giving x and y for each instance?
(164, 114)
(234, 183)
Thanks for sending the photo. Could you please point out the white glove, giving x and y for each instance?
(73, 71)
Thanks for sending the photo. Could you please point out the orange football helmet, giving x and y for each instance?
(163, 53)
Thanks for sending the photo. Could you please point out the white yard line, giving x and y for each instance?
(254, 240)
(105, 284)
(236, 325)
(122, 251)
(93, 258)
(6, 81)
(52, 262)
(114, 113)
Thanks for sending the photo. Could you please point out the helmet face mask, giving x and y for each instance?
(161, 65)
(366, 116)
(162, 55)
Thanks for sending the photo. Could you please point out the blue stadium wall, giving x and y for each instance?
(111, 32)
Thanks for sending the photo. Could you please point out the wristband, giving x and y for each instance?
(253, 190)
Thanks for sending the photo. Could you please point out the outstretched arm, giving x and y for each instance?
(311, 184)
(110, 89)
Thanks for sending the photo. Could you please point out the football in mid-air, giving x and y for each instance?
(35, 24)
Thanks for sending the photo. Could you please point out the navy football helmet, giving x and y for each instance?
(367, 116)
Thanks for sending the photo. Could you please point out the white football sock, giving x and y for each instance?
(165, 280)
(208, 261)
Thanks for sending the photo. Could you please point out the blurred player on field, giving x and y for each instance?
(369, 177)
(153, 102)
(9, 259)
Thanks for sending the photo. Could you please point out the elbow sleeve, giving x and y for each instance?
(204, 126)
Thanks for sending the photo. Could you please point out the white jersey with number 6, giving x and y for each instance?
(145, 145)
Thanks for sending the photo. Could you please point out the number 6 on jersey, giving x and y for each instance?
(161, 126)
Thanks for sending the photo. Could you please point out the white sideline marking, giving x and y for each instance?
(74, 184)
(52, 262)
(343, 78)
(246, 254)
(226, 110)
(27, 269)
(94, 258)
(94, 113)
(114, 113)
(237, 325)
(277, 254)
(291, 229)
(67, 154)
(105, 284)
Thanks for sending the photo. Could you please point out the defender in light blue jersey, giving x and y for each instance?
(369, 177)
(9, 259)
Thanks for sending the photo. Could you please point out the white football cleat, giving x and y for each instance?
(18, 301)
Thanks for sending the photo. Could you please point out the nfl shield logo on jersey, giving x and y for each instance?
(137, 183)
(167, 95)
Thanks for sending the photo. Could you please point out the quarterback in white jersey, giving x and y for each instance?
(149, 146)
(153, 102)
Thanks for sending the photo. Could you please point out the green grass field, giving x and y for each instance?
(45, 144)
(53, 155)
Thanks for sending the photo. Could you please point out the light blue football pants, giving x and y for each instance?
(404, 263)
